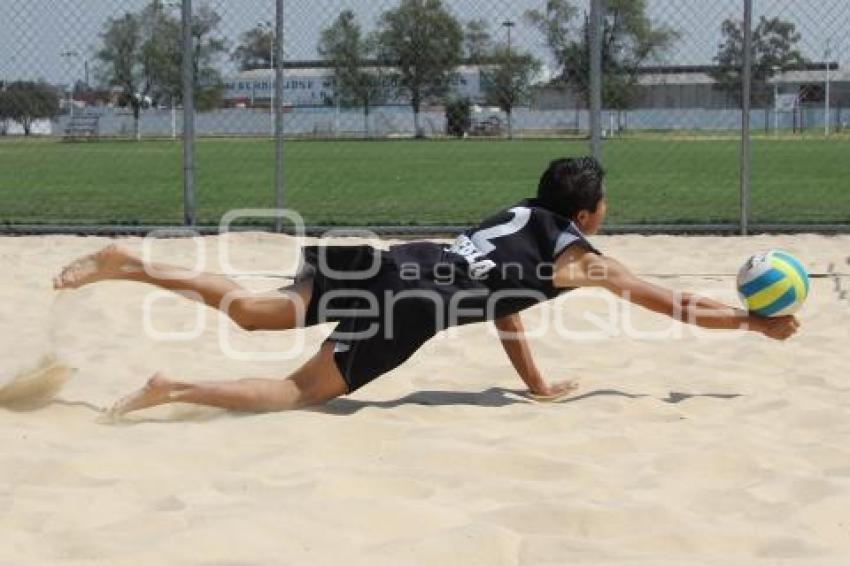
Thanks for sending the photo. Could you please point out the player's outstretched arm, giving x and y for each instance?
(512, 335)
(578, 267)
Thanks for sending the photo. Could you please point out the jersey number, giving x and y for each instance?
(475, 249)
(482, 239)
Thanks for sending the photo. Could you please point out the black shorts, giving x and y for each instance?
(380, 320)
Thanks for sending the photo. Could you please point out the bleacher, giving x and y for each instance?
(83, 126)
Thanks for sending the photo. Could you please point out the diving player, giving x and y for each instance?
(388, 303)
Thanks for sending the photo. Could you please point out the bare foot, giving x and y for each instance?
(157, 391)
(556, 392)
(99, 266)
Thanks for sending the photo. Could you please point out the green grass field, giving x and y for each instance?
(652, 179)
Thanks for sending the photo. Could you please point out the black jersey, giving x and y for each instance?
(401, 298)
(500, 267)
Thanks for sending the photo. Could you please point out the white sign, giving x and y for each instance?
(786, 102)
(316, 87)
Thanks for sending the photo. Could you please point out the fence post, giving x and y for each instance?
(188, 118)
(746, 98)
(595, 39)
(278, 112)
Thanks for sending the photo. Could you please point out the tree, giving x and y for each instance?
(629, 40)
(143, 54)
(80, 89)
(477, 41)
(4, 111)
(255, 49)
(458, 117)
(555, 24)
(508, 83)
(121, 57)
(26, 102)
(343, 45)
(209, 86)
(424, 42)
(774, 48)
(161, 54)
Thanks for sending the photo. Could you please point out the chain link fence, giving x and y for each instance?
(800, 118)
(420, 114)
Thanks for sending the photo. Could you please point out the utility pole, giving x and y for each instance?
(776, 70)
(746, 141)
(595, 40)
(189, 216)
(827, 54)
(279, 177)
(509, 25)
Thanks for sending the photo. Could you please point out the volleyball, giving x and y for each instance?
(773, 284)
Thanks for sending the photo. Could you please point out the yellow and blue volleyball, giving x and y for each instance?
(773, 284)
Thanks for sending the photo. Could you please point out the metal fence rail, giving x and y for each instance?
(723, 117)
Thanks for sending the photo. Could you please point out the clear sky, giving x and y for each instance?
(34, 33)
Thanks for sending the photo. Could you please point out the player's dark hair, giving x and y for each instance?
(571, 185)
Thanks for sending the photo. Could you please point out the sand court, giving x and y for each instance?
(681, 446)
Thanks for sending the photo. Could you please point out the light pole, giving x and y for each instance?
(70, 55)
(509, 25)
(266, 26)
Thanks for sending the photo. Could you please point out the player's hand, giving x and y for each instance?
(554, 392)
(778, 328)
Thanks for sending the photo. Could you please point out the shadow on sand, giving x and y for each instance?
(494, 397)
